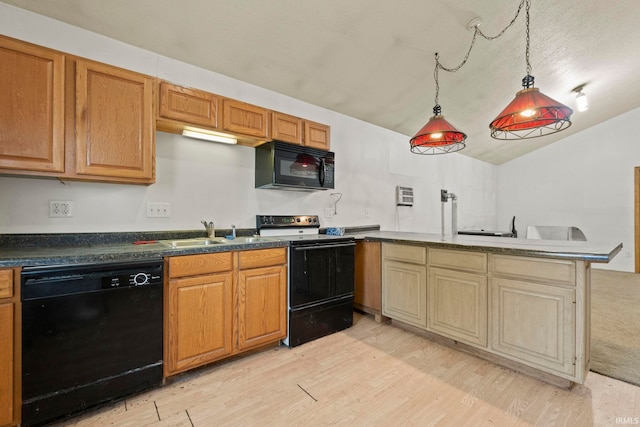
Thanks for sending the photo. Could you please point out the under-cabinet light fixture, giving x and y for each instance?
(207, 135)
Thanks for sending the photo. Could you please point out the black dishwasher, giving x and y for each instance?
(91, 334)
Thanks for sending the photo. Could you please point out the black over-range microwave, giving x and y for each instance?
(292, 167)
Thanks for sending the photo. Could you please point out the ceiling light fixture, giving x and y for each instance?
(531, 113)
(207, 135)
(438, 136)
(582, 104)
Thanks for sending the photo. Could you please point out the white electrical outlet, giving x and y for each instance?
(60, 208)
(158, 210)
(366, 212)
(328, 212)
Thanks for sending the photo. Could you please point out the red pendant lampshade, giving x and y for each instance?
(530, 114)
(438, 136)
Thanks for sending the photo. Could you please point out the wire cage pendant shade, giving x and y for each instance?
(438, 136)
(529, 115)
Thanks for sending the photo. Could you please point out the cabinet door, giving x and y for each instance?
(368, 276)
(6, 364)
(458, 305)
(247, 119)
(317, 135)
(31, 107)
(534, 322)
(262, 306)
(200, 321)
(115, 134)
(191, 106)
(404, 292)
(286, 128)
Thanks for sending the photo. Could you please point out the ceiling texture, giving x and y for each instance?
(374, 60)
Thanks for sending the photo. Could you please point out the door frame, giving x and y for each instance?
(637, 217)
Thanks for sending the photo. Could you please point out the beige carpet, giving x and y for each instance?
(615, 324)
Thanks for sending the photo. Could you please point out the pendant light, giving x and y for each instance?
(531, 113)
(438, 136)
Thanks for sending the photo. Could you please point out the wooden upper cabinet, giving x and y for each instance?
(246, 119)
(31, 107)
(286, 128)
(317, 135)
(298, 131)
(115, 134)
(191, 106)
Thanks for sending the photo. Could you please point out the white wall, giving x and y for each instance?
(584, 180)
(215, 181)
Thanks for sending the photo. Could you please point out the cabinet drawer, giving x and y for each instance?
(404, 253)
(459, 260)
(193, 265)
(6, 283)
(262, 258)
(537, 269)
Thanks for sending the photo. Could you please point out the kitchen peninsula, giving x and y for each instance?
(521, 303)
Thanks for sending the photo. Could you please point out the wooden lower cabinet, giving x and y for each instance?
(368, 274)
(6, 364)
(221, 304)
(531, 311)
(458, 305)
(10, 385)
(200, 320)
(404, 284)
(262, 292)
(535, 323)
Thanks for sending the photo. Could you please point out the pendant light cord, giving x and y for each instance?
(477, 32)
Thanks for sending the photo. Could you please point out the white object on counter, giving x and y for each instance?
(552, 232)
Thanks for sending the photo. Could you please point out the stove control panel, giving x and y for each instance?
(278, 221)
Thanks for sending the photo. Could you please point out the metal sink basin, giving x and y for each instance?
(193, 243)
(247, 239)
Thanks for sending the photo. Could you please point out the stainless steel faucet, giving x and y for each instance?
(233, 231)
(211, 231)
(444, 196)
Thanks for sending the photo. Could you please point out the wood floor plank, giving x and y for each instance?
(369, 375)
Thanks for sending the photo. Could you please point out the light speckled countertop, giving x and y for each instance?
(560, 249)
(91, 248)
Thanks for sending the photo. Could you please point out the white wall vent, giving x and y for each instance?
(404, 196)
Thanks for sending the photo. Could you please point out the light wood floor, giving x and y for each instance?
(369, 375)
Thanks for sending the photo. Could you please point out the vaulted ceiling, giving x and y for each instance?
(374, 60)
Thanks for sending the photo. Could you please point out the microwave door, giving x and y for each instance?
(301, 170)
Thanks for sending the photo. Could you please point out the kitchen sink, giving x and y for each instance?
(193, 243)
(254, 239)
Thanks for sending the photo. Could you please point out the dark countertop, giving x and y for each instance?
(51, 249)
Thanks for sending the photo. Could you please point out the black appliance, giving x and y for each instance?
(292, 167)
(91, 333)
(321, 277)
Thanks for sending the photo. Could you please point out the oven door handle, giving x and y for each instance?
(311, 248)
